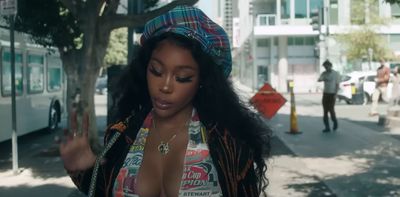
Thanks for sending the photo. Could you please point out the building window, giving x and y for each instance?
(290, 41)
(301, 41)
(263, 42)
(285, 9)
(395, 11)
(309, 41)
(54, 76)
(276, 41)
(300, 9)
(394, 38)
(265, 19)
(316, 4)
(333, 12)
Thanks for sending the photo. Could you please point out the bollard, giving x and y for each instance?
(294, 129)
(357, 94)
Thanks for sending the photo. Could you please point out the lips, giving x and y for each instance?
(162, 104)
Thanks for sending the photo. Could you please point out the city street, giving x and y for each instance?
(360, 159)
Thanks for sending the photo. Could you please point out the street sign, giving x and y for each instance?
(268, 101)
(8, 7)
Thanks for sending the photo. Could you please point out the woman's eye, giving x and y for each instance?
(154, 71)
(184, 79)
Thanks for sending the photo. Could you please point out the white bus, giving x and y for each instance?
(39, 81)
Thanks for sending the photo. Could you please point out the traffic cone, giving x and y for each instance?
(294, 129)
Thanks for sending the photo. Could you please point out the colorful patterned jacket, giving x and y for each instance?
(233, 160)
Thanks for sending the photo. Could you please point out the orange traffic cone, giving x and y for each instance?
(294, 129)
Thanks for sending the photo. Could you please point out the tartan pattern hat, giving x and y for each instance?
(192, 23)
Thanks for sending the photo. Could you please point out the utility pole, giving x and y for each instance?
(9, 8)
(370, 53)
(327, 22)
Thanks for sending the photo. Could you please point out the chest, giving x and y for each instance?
(330, 77)
(186, 170)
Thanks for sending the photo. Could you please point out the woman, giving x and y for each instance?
(184, 132)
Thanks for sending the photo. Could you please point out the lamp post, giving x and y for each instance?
(370, 53)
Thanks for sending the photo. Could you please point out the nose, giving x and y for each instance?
(166, 85)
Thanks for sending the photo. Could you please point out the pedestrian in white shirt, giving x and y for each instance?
(331, 80)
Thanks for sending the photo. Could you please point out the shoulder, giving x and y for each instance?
(232, 155)
(223, 140)
(117, 127)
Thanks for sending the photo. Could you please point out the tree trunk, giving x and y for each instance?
(82, 67)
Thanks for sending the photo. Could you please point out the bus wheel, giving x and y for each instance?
(53, 119)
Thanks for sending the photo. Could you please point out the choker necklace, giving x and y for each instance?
(163, 147)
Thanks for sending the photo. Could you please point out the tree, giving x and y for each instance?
(358, 42)
(117, 50)
(359, 39)
(80, 29)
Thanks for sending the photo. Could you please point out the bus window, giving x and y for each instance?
(6, 74)
(35, 73)
(54, 77)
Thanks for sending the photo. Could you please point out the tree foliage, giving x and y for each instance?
(49, 23)
(117, 50)
(358, 42)
(363, 35)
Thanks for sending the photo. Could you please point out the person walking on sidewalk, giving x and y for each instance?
(183, 131)
(382, 81)
(395, 97)
(331, 80)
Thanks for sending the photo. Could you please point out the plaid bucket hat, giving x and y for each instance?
(192, 23)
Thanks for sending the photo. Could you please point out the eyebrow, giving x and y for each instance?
(180, 67)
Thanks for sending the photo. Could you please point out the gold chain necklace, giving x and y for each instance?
(163, 147)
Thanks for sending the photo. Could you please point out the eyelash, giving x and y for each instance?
(184, 79)
(154, 71)
(178, 79)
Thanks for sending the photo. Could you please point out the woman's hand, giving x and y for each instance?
(76, 152)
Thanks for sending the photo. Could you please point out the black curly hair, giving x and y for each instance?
(216, 101)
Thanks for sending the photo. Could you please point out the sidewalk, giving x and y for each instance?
(356, 160)
(41, 170)
(353, 161)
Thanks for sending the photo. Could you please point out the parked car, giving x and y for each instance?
(356, 79)
(101, 85)
(364, 82)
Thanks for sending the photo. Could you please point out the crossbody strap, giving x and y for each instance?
(98, 161)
